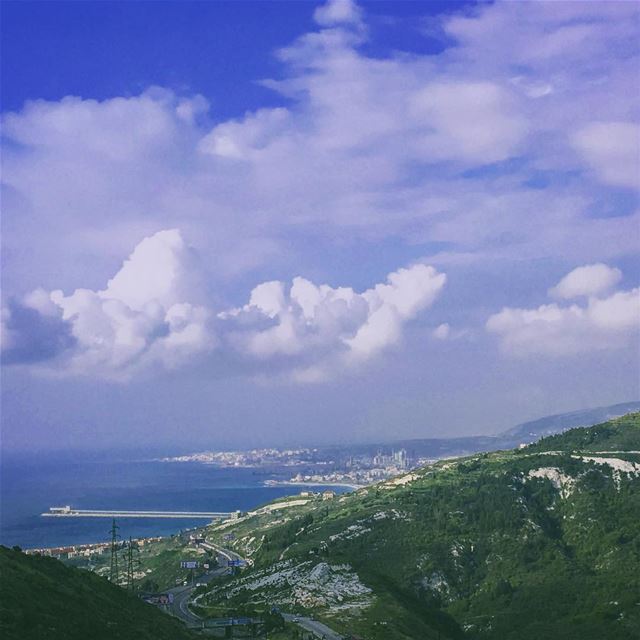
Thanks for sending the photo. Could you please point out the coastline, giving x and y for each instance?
(30, 488)
(88, 548)
(292, 483)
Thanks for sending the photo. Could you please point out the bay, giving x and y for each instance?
(31, 484)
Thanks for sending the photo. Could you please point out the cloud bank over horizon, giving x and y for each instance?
(152, 312)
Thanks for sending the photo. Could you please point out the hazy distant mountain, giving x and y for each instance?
(522, 433)
(535, 429)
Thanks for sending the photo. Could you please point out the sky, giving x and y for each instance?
(238, 224)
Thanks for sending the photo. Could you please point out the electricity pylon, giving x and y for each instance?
(113, 570)
(130, 565)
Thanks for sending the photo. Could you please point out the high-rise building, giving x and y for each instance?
(400, 458)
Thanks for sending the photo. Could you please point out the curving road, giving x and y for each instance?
(179, 608)
(182, 596)
(227, 554)
(317, 628)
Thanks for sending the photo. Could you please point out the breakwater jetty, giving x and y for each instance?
(69, 512)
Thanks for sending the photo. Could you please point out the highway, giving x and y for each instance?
(227, 554)
(317, 628)
(179, 608)
(182, 596)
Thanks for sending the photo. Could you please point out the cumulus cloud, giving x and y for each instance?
(321, 327)
(147, 314)
(162, 268)
(153, 312)
(590, 280)
(602, 322)
(33, 330)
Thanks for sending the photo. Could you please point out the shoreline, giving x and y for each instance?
(194, 523)
(80, 548)
(292, 483)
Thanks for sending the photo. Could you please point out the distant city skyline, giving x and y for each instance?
(235, 225)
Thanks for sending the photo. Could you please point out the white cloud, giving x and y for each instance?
(145, 316)
(612, 149)
(609, 322)
(618, 312)
(337, 12)
(500, 147)
(475, 121)
(153, 313)
(243, 140)
(326, 326)
(368, 147)
(445, 332)
(161, 269)
(500, 37)
(442, 331)
(590, 280)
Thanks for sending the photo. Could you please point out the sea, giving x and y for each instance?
(30, 484)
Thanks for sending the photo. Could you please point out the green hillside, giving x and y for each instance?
(620, 434)
(41, 598)
(536, 543)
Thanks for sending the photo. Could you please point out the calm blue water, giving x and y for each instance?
(30, 485)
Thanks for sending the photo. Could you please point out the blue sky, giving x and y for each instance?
(229, 223)
(220, 49)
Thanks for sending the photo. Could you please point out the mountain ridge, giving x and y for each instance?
(509, 545)
(522, 433)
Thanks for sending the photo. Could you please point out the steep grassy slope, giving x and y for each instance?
(528, 544)
(42, 598)
(620, 434)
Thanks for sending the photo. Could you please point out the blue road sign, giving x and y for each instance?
(236, 563)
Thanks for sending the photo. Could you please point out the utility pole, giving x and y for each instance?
(113, 570)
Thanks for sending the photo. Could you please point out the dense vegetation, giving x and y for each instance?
(536, 543)
(42, 598)
(620, 434)
(540, 542)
